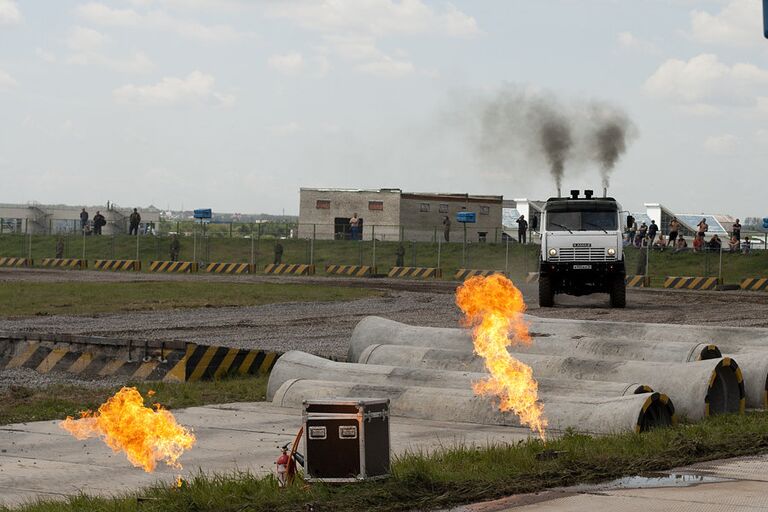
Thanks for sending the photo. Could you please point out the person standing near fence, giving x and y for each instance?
(354, 227)
(674, 228)
(134, 220)
(736, 233)
(278, 253)
(99, 221)
(175, 248)
(522, 229)
(652, 230)
(59, 248)
(447, 228)
(83, 219)
(400, 253)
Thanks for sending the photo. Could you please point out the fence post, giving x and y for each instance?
(29, 252)
(373, 240)
(506, 258)
(137, 245)
(83, 244)
(439, 250)
(720, 270)
(413, 253)
(252, 262)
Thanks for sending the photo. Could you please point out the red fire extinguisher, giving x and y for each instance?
(286, 463)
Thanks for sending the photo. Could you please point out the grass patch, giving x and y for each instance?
(20, 404)
(78, 298)
(457, 475)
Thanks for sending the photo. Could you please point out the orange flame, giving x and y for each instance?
(494, 307)
(145, 435)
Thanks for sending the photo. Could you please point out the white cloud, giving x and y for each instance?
(6, 80)
(195, 88)
(631, 41)
(387, 67)
(739, 23)
(285, 130)
(290, 63)
(101, 14)
(376, 17)
(722, 145)
(83, 39)
(705, 80)
(90, 46)
(45, 55)
(9, 13)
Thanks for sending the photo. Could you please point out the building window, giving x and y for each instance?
(323, 204)
(443, 208)
(424, 207)
(376, 205)
(485, 210)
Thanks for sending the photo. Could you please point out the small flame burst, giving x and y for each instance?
(146, 435)
(493, 307)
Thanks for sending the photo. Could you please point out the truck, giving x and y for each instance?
(581, 248)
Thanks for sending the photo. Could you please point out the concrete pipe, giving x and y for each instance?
(300, 365)
(754, 368)
(700, 388)
(375, 330)
(632, 413)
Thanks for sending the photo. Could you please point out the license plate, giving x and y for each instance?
(582, 267)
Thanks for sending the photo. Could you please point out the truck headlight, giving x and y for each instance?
(553, 252)
(611, 252)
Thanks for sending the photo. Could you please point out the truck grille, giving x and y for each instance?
(581, 254)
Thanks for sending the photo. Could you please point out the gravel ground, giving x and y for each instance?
(30, 378)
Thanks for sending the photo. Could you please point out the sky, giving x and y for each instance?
(236, 104)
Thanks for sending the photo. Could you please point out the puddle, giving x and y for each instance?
(649, 481)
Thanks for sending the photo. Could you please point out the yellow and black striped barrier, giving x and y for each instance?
(755, 284)
(134, 265)
(691, 283)
(294, 269)
(16, 262)
(172, 266)
(228, 268)
(417, 272)
(466, 273)
(532, 277)
(64, 263)
(209, 362)
(350, 270)
(638, 281)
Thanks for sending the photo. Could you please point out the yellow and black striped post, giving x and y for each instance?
(638, 281)
(416, 272)
(290, 269)
(172, 266)
(64, 263)
(15, 262)
(228, 268)
(532, 277)
(350, 270)
(755, 284)
(466, 273)
(209, 362)
(115, 265)
(691, 283)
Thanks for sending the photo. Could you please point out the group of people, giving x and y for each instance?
(645, 236)
(96, 224)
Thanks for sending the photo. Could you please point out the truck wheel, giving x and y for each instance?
(546, 293)
(618, 292)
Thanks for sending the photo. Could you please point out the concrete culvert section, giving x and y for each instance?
(631, 413)
(300, 365)
(754, 369)
(699, 388)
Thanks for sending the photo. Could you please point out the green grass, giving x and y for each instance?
(456, 475)
(20, 404)
(76, 298)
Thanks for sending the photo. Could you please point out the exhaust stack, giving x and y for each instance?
(605, 191)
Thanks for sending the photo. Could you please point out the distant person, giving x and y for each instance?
(661, 243)
(522, 229)
(703, 227)
(714, 243)
(736, 230)
(99, 221)
(83, 219)
(59, 248)
(134, 220)
(746, 245)
(632, 231)
(278, 253)
(698, 243)
(652, 230)
(733, 244)
(354, 226)
(641, 234)
(681, 245)
(534, 223)
(630, 221)
(400, 253)
(175, 248)
(447, 228)
(674, 229)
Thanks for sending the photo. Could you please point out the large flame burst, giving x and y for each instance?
(145, 435)
(494, 307)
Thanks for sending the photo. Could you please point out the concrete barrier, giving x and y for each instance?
(173, 266)
(638, 281)
(631, 413)
(755, 284)
(290, 269)
(116, 265)
(64, 263)
(16, 262)
(228, 268)
(350, 270)
(416, 272)
(532, 277)
(466, 273)
(201, 362)
(700, 389)
(692, 283)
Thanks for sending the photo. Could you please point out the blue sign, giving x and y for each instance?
(466, 217)
(765, 220)
(765, 17)
(203, 213)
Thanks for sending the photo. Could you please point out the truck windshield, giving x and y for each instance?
(582, 221)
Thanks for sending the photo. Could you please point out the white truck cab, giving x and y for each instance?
(581, 248)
